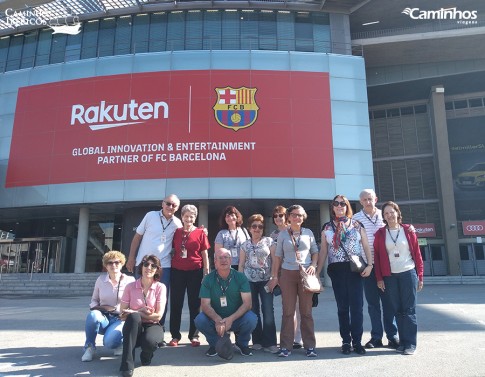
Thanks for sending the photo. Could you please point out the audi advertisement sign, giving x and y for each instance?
(474, 228)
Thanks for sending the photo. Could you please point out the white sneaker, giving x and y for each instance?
(118, 351)
(88, 354)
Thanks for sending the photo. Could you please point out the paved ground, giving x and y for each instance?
(44, 337)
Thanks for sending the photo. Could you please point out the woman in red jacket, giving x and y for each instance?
(399, 272)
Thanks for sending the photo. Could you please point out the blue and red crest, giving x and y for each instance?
(236, 108)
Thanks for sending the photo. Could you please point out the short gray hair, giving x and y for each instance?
(189, 208)
(367, 191)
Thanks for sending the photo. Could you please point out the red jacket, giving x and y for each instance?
(382, 266)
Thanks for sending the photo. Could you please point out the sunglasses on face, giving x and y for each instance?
(153, 266)
(257, 226)
(336, 203)
(170, 204)
(280, 215)
(113, 262)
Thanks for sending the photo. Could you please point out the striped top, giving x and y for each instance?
(371, 226)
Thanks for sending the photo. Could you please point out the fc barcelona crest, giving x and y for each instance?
(236, 108)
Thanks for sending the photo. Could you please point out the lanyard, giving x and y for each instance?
(234, 239)
(164, 227)
(185, 237)
(370, 218)
(294, 241)
(390, 235)
(224, 289)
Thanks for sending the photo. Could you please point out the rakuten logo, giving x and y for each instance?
(441, 14)
(109, 116)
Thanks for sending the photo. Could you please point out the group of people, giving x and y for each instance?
(171, 256)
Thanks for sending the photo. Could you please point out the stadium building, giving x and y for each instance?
(107, 106)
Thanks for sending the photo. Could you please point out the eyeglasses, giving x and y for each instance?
(170, 204)
(112, 262)
(150, 265)
(296, 215)
(280, 215)
(257, 226)
(336, 203)
(223, 257)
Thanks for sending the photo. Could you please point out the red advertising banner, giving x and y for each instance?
(177, 124)
(425, 230)
(474, 228)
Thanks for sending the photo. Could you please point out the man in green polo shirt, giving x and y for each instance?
(226, 305)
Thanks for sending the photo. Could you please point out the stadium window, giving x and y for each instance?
(303, 32)
(408, 110)
(449, 105)
(475, 102)
(122, 44)
(463, 104)
(420, 109)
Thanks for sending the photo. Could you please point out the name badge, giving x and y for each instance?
(234, 252)
(254, 261)
(183, 252)
(298, 256)
(163, 238)
(223, 301)
(396, 253)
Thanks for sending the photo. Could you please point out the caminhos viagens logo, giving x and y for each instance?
(115, 115)
(441, 14)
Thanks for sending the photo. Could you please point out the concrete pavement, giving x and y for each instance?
(44, 337)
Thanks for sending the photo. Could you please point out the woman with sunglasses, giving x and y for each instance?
(255, 260)
(295, 246)
(232, 234)
(105, 307)
(344, 236)
(190, 263)
(142, 306)
(399, 273)
(281, 221)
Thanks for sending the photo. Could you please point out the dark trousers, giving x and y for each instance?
(349, 295)
(402, 291)
(374, 297)
(265, 331)
(181, 281)
(139, 334)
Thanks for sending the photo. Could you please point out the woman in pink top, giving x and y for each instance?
(142, 307)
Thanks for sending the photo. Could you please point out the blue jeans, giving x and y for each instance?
(111, 327)
(402, 288)
(265, 331)
(243, 327)
(349, 295)
(165, 279)
(374, 296)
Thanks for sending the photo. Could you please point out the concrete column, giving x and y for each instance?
(324, 218)
(203, 218)
(82, 241)
(444, 177)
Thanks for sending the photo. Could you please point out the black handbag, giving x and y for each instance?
(357, 263)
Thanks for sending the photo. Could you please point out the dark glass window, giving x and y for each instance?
(267, 30)
(420, 109)
(58, 50)
(249, 30)
(28, 53)
(479, 254)
(107, 28)
(449, 105)
(464, 255)
(212, 30)
(44, 47)
(90, 40)
(230, 30)
(475, 102)
(73, 47)
(176, 31)
(303, 32)
(321, 32)
(140, 33)
(15, 52)
(158, 32)
(193, 32)
(463, 104)
(4, 42)
(409, 110)
(122, 44)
